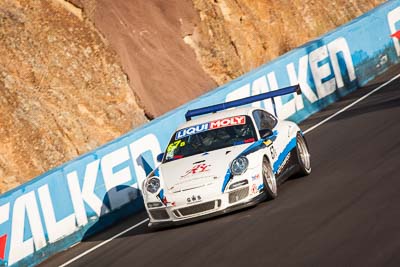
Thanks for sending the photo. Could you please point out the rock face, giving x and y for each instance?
(62, 91)
(236, 36)
(148, 37)
(228, 37)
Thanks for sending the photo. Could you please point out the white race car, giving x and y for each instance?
(223, 161)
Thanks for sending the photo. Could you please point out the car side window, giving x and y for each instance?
(264, 120)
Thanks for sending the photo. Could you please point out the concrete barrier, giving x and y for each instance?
(58, 208)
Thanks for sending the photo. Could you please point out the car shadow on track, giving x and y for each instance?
(108, 227)
(112, 223)
(104, 230)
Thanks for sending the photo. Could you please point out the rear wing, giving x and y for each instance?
(243, 101)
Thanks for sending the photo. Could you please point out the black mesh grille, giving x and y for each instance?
(197, 208)
(159, 214)
(238, 195)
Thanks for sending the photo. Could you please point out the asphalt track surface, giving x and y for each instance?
(346, 213)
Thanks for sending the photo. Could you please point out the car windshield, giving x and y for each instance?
(210, 136)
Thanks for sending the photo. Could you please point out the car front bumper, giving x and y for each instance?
(156, 224)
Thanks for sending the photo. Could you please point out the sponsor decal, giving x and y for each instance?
(236, 120)
(172, 147)
(246, 141)
(284, 163)
(268, 143)
(396, 34)
(175, 145)
(254, 188)
(192, 130)
(255, 177)
(194, 199)
(320, 72)
(3, 241)
(198, 168)
(162, 197)
(167, 203)
(38, 208)
(273, 152)
(393, 18)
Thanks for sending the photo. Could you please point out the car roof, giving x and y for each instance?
(218, 115)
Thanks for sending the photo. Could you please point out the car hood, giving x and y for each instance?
(199, 170)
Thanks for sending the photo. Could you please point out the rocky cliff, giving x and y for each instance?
(235, 36)
(63, 87)
(62, 90)
(148, 37)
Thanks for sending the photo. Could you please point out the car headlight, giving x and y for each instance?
(152, 185)
(239, 165)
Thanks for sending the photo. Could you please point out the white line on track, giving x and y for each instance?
(352, 104)
(103, 243)
(306, 131)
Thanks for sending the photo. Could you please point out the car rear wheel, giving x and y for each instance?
(270, 186)
(303, 155)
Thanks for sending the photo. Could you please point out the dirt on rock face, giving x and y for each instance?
(62, 90)
(148, 37)
(236, 36)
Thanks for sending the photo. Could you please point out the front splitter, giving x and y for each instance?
(252, 202)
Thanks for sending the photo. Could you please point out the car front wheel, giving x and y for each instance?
(270, 186)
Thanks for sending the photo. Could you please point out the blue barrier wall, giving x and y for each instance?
(58, 208)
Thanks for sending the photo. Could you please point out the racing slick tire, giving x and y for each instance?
(303, 155)
(269, 181)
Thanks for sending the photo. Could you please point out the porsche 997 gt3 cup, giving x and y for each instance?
(223, 161)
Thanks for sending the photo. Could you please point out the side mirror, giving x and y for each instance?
(266, 133)
(160, 157)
